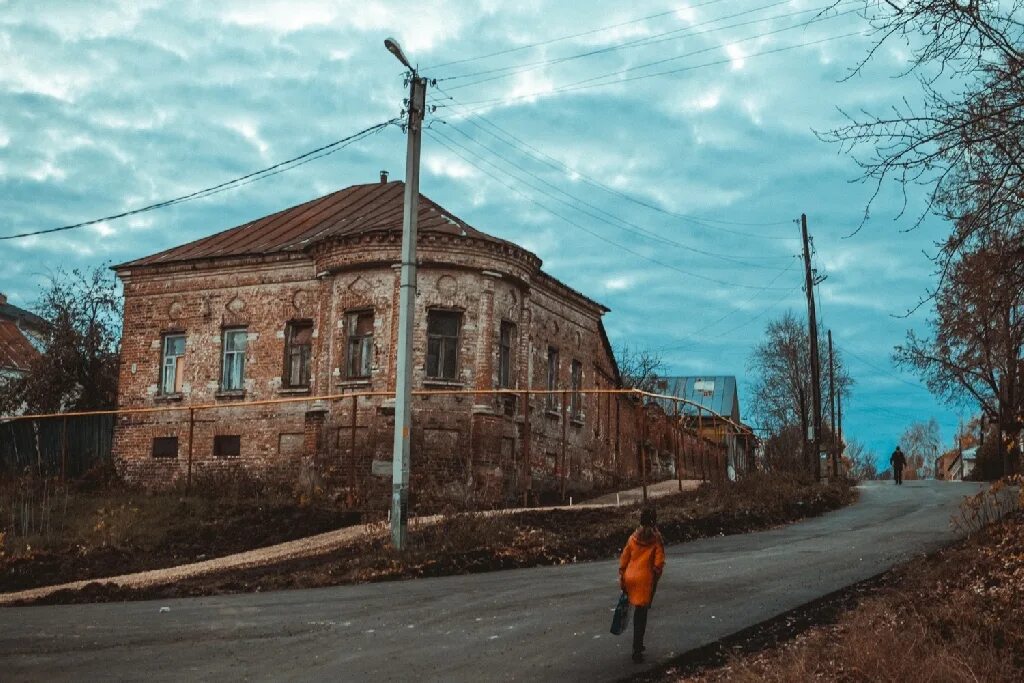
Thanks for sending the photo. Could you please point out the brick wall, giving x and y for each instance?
(469, 449)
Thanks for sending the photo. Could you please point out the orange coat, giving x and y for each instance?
(641, 564)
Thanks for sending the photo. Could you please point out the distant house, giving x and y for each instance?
(21, 339)
(957, 465)
(712, 403)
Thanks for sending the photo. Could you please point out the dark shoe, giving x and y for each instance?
(638, 656)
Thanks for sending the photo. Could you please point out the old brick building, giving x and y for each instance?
(302, 303)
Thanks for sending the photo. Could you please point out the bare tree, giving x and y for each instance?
(863, 463)
(781, 398)
(968, 133)
(639, 368)
(78, 367)
(920, 442)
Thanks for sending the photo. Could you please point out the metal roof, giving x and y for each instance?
(16, 351)
(375, 207)
(716, 393)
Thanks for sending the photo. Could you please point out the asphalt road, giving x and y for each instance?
(544, 624)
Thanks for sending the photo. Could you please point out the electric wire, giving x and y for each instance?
(279, 167)
(675, 34)
(515, 69)
(567, 37)
(733, 311)
(560, 166)
(477, 105)
(615, 221)
(451, 146)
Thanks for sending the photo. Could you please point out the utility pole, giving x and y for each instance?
(812, 324)
(406, 302)
(839, 421)
(832, 407)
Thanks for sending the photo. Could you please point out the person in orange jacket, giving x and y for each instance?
(640, 567)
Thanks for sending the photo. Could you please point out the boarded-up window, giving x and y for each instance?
(172, 375)
(165, 447)
(289, 445)
(225, 445)
(443, 344)
(443, 443)
(297, 350)
(359, 344)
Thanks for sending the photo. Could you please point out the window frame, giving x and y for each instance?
(363, 342)
(305, 359)
(179, 361)
(576, 386)
(506, 346)
(224, 352)
(553, 369)
(445, 342)
(164, 440)
(222, 440)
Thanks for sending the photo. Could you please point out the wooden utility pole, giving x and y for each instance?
(834, 450)
(812, 326)
(839, 421)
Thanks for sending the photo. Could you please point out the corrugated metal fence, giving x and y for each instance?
(66, 447)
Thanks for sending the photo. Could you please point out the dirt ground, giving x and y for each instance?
(71, 532)
(957, 615)
(461, 543)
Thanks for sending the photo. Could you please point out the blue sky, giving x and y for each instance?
(109, 106)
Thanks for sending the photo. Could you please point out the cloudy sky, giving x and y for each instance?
(655, 155)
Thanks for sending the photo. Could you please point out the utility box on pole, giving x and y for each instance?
(406, 315)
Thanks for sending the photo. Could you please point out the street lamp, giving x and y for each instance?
(406, 302)
(394, 48)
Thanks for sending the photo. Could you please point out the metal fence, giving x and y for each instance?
(64, 446)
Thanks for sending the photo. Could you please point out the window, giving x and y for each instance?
(705, 387)
(552, 399)
(233, 365)
(298, 344)
(165, 447)
(576, 398)
(508, 332)
(359, 348)
(443, 344)
(225, 445)
(173, 366)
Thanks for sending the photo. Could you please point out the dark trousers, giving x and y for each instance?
(639, 627)
(897, 474)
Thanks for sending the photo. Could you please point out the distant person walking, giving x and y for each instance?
(640, 567)
(898, 461)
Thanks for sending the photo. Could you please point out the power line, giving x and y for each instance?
(733, 311)
(279, 167)
(618, 222)
(685, 31)
(584, 85)
(444, 141)
(888, 373)
(675, 34)
(562, 38)
(558, 165)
